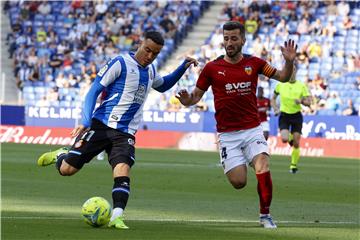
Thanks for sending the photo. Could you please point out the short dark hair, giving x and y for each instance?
(155, 36)
(232, 25)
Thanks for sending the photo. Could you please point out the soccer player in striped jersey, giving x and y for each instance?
(233, 79)
(127, 80)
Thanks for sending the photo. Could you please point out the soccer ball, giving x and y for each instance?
(96, 211)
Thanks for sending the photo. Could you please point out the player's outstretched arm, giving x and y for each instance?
(170, 80)
(188, 99)
(289, 54)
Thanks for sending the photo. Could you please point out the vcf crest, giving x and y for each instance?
(248, 70)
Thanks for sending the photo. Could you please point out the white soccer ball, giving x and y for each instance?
(96, 211)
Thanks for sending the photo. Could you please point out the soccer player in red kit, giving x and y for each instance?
(233, 79)
(263, 105)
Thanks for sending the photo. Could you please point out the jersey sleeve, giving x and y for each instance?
(266, 69)
(277, 89)
(158, 80)
(204, 80)
(305, 91)
(109, 72)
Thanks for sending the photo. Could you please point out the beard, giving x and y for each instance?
(233, 52)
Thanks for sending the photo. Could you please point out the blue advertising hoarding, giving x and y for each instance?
(330, 127)
(12, 115)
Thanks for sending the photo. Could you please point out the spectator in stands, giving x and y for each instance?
(333, 102)
(347, 23)
(90, 69)
(302, 55)
(22, 75)
(83, 25)
(239, 16)
(41, 35)
(174, 104)
(44, 8)
(303, 27)
(53, 96)
(357, 83)
(222, 17)
(350, 62)
(251, 26)
(48, 76)
(329, 30)
(100, 9)
(268, 19)
(282, 28)
(314, 50)
(319, 81)
(150, 26)
(257, 46)
(32, 59)
(316, 27)
(343, 8)
(126, 29)
(357, 62)
(51, 36)
(350, 109)
(168, 26)
(331, 9)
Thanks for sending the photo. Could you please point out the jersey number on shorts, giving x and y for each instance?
(223, 153)
(86, 137)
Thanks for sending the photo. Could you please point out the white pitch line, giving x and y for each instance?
(182, 220)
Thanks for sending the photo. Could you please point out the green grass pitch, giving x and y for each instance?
(179, 195)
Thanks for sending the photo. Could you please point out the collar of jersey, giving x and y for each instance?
(132, 55)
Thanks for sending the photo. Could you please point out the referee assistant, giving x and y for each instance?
(292, 95)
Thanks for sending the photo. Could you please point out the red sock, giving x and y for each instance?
(264, 189)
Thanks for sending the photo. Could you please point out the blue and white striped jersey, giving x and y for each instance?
(127, 86)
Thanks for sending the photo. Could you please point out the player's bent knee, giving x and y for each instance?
(67, 170)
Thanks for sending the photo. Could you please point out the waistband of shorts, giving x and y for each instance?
(291, 114)
(97, 124)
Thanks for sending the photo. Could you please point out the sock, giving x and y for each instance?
(295, 156)
(59, 161)
(116, 213)
(120, 195)
(264, 189)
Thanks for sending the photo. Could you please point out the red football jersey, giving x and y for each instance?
(263, 105)
(234, 87)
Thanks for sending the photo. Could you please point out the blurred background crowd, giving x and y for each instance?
(57, 47)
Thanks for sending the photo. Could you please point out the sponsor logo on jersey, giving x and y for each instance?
(140, 94)
(103, 70)
(237, 86)
(115, 117)
(262, 142)
(132, 71)
(222, 73)
(248, 70)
